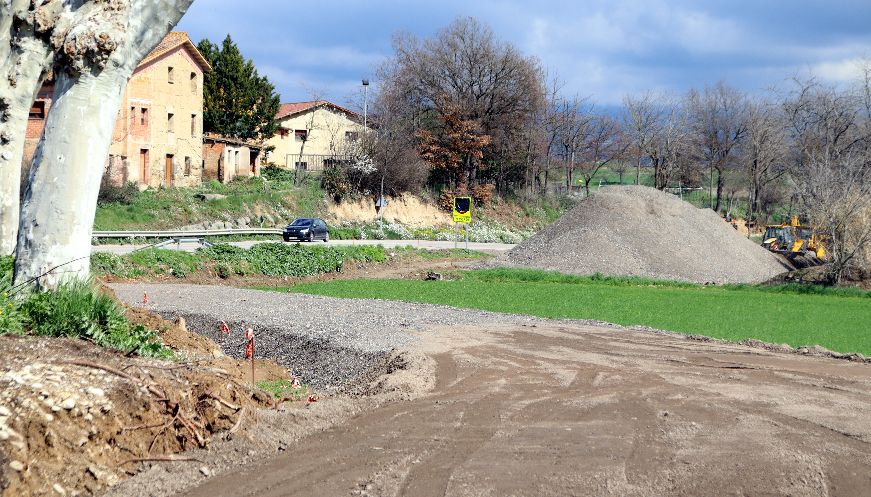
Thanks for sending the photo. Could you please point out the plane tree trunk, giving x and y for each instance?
(99, 55)
(25, 58)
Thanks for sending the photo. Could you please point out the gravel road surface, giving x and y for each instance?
(424, 244)
(328, 342)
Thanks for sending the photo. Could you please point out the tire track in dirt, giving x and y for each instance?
(560, 410)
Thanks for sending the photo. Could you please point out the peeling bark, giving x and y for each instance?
(95, 61)
(25, 58)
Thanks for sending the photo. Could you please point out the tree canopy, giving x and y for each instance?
(469, 92)
(237, 101)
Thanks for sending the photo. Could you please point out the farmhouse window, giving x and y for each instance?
(301, 135)
(352, 136)
(170, 74)
(143, 116)
(37, 110)
(193, 82)
(193, 125)
(187, 166)
(170, 123)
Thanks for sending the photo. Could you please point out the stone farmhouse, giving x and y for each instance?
(226, 158)
(314, 134)
(158, 138)
(158, 135)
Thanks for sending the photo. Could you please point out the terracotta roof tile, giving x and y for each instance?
(293, 108)
(170, 42)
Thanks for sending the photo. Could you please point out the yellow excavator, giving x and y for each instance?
(800, 244)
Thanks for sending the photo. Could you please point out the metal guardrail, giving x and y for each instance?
(192, 233)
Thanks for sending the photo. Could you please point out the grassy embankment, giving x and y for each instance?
(165, 208)
(75, 310)
(838, 319)
(276, 201)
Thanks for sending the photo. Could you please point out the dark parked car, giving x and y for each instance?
(308, 229)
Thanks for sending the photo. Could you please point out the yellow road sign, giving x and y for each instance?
(463, 210)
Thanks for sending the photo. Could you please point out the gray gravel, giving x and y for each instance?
(641, 231)
(330, 343)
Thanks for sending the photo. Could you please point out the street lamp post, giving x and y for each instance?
(365, 103)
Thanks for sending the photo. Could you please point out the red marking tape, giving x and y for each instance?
(225, 328)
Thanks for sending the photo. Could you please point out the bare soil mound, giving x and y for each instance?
(641, 231)
(405, 209)
(76, 418)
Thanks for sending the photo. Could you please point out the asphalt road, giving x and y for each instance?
(424, 244)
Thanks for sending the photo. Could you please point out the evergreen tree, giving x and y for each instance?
(237, 101)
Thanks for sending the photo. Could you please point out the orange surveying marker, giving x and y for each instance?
(225, 328)
(144, 297)
(249, 351)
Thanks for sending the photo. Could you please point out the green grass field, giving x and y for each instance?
(839, 320)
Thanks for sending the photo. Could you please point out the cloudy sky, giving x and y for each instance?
(601, 49)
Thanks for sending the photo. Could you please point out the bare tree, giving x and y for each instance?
(669, 149)
(391, 144)
(464, 67)
(656, 127)
(717, 122)
(97, 56)
(762, 155)
(641, 120)
(830, 164)
(548, 127)
(571, 126)
(621, 166)
(604, 144)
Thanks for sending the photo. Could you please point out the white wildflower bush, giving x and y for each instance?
(485, 232)
(363, 165)
(479, 231)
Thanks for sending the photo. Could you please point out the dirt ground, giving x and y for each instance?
(406, 209)
(76, 419)
(565, 410)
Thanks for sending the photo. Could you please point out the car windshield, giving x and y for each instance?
(302, 222)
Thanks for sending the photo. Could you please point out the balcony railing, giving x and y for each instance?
(310, 162)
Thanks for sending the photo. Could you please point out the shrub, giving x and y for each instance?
(363, 253)
(10, 316)
(125, 194)
(483, 194)
(334, 181)
(274, 173)
(273, 259)
(76, 310)
(106, 263)
(344, 232)
(175, 262)
(223, 271)
(224, 252)
(446, 199)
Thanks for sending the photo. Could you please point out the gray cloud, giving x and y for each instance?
(603, 49)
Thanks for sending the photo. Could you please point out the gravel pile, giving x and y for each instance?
(641, 231)
(329, 343)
